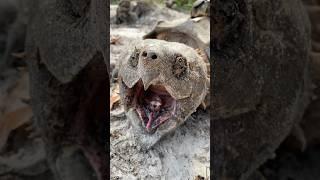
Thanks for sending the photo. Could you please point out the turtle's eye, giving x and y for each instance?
(180, 66)
(134, 58)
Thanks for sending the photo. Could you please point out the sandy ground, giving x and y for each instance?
(183, 154)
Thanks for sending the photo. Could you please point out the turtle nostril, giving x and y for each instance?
(154, 56)
(149, 55)
(144, 54)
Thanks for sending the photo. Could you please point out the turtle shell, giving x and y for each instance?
(192, 32)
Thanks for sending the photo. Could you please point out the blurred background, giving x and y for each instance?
(181, 5)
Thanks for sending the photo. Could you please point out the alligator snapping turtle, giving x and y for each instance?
(260, 83)
(161, 83)
(66, 50)
(164, 82)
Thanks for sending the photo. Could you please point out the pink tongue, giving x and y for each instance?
(150, 120)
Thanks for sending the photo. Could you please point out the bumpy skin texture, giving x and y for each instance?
(189, 88)
(66, 54)
(259, 63)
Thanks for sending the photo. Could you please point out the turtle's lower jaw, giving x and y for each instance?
(154, 106)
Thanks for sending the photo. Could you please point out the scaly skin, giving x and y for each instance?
(188, 86)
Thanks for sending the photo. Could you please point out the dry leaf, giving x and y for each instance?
(12, 97)
(115, 40)
(115, 96)
(11, 121)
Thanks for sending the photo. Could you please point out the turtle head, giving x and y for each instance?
(162, 83)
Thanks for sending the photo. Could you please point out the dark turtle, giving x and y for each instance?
(261, 85)
(66, 51)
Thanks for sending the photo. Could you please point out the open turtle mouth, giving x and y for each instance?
(154, 106)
